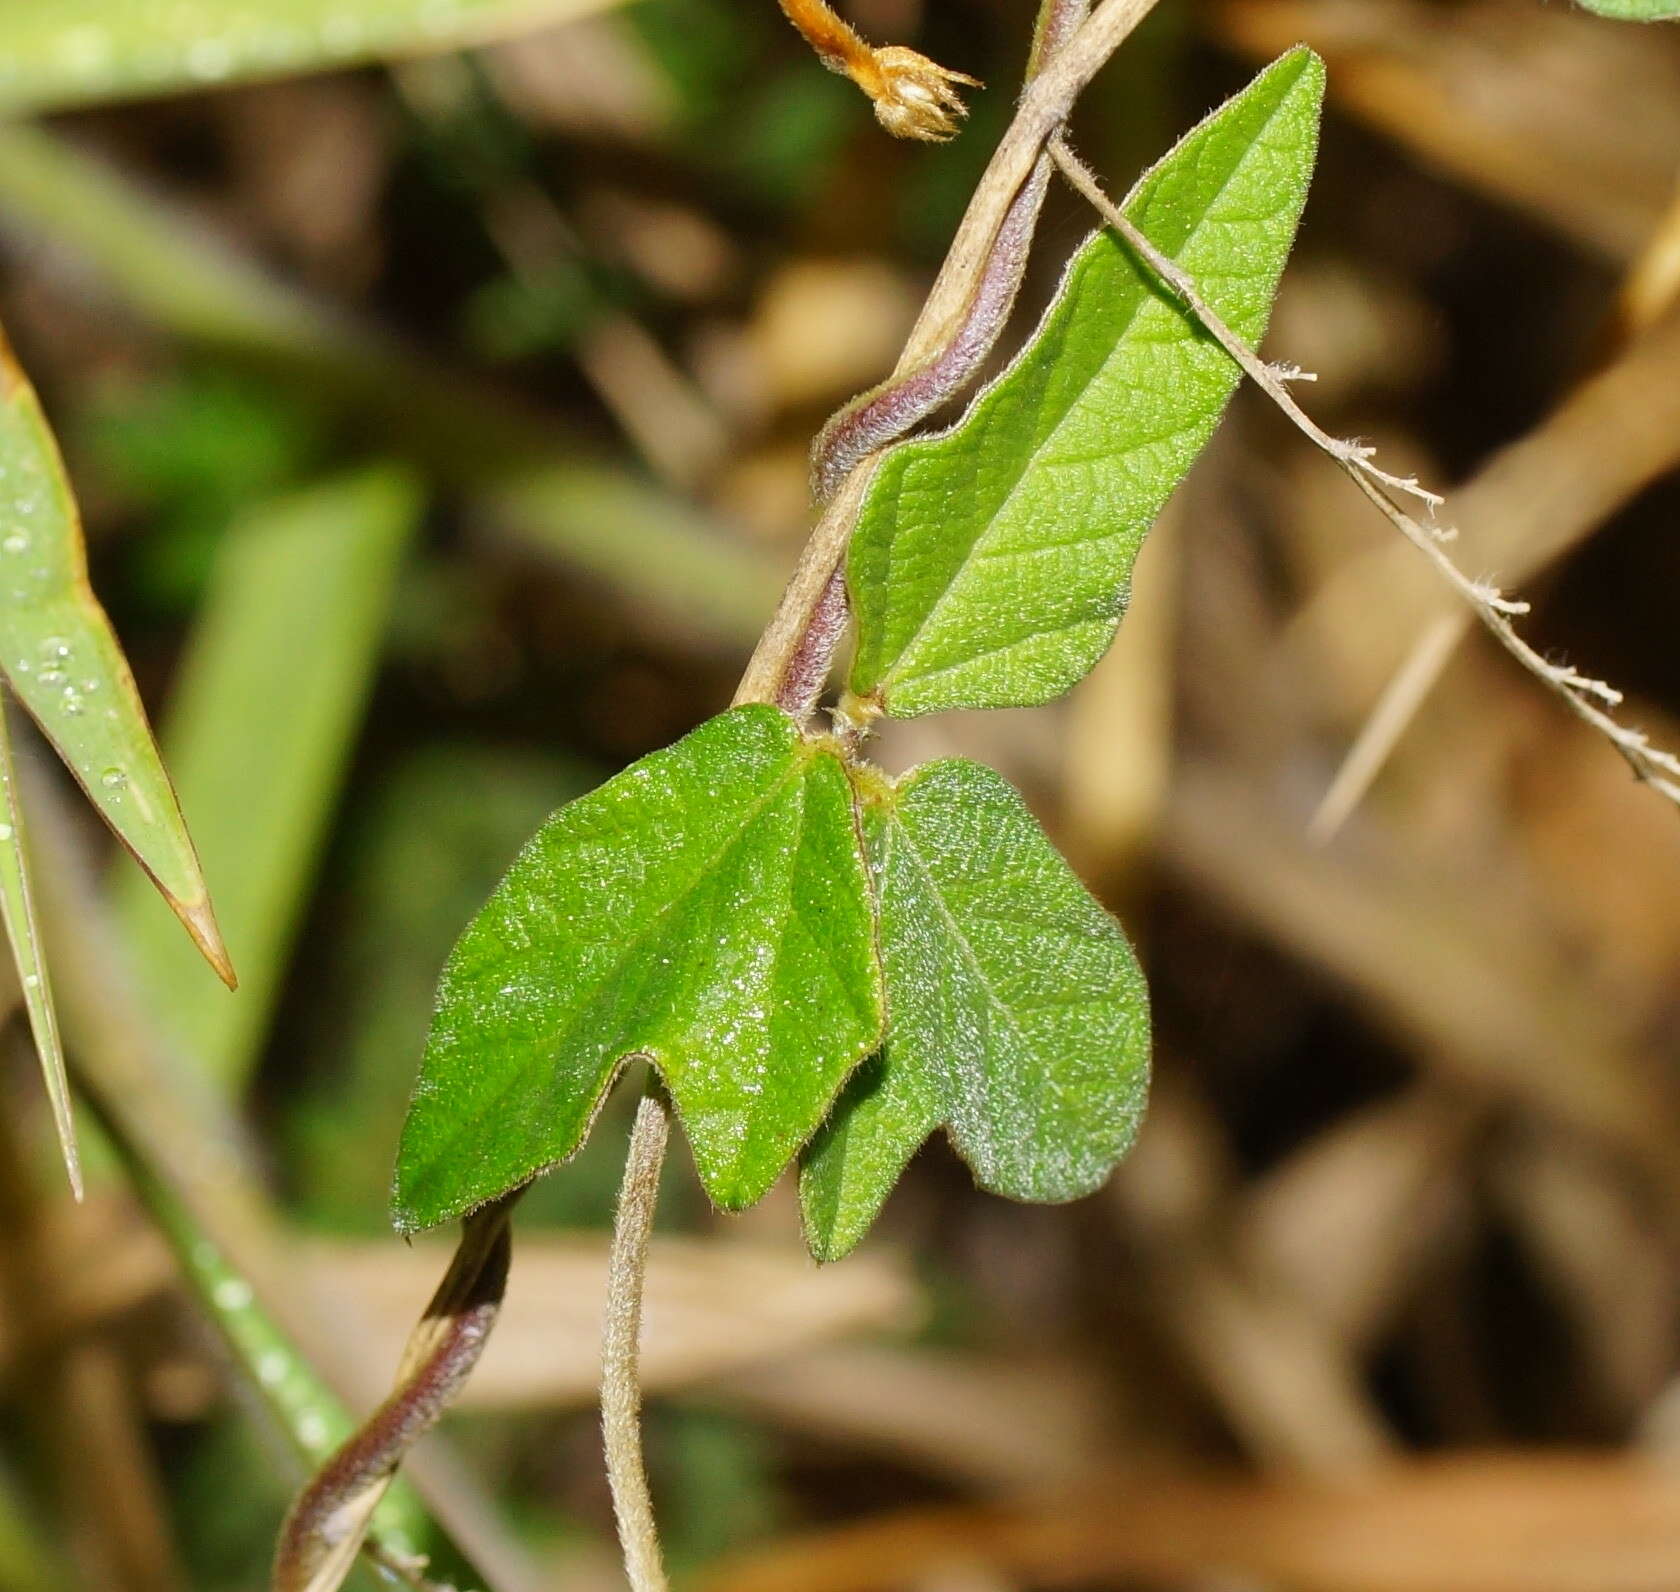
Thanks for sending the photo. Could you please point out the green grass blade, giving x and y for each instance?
(17, 905)
(1019, 1016)
(80, 52)
(990, 563)
(259, 730)
(706, 909)
(590, 512)
(61, 657)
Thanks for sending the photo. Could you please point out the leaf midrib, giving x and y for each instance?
(924, 871)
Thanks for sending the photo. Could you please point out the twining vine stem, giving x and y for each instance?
(957, 327)
(325, 1528)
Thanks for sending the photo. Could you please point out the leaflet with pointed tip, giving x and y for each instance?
(1018, 1014)
(62, 660)
(707, 909)
(990, 563)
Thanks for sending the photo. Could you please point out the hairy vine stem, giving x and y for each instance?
(958, 326)
(324, 1530)
(621, 1341)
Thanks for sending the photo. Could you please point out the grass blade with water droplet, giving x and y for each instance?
(17, 903)
(60, 655)
(83, 52)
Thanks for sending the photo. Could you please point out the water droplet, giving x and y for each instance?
(90, 685)
(17, 542)
(113, 779)
(5, 833)
(53, 677)
(272, 1368)
(231, 1293)
(55, 647)
(71, 701)
(31, 980)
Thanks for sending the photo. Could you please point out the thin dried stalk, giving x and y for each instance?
(1587, 698)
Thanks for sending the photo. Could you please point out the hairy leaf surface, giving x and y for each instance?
(60, 655)
(707, 909)
(990, 563)
(58, 53)
(1017, 1014)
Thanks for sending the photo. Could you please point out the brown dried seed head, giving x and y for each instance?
(916, 97)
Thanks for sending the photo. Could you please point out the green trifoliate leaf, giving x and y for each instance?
(1017, 1014)
(990, 563)
(707, 909)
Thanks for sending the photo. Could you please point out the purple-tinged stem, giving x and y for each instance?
(324, 1530)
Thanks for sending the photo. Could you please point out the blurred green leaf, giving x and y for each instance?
(1635, 10)
(1019, 1014)
(184, 451)
(29, 1560)
(990, 563)
(17, 907)
(649, 545)
(80, 52)
(706, 909)
(259, 732)
(62, 659)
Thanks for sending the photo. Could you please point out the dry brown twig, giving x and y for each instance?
(1587, 698)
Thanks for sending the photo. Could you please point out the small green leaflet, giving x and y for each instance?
(59, 53)
(60, 656)
(708, 909)
(1635, 10)
(1018, 1013)
(991, 562)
